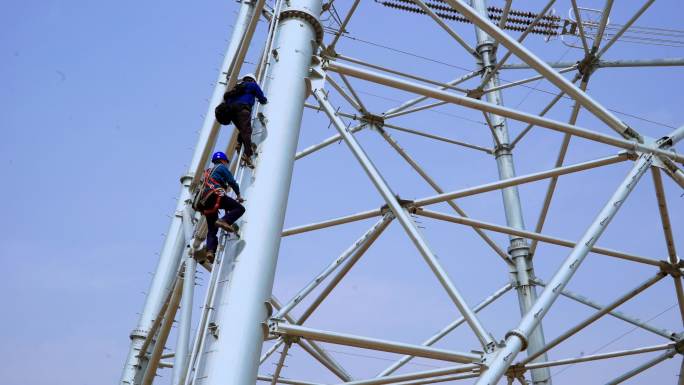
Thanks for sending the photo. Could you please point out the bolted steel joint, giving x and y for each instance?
(304, 15)
(520, 335)
(516, 371)
(630, 133)
(138, 334)
(518, 248)
(273, 325)
(673, 269)
(475, 93)
(406, 203)
(587, 65)
(679, 347)
(187, 178)
(290, 339)
(502, 150)
(373, 120)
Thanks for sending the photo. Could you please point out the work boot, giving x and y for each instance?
(246, 161)
(231, 228)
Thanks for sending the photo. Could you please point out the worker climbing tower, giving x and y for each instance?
(240, 324)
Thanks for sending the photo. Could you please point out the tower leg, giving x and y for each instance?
(234, 352)
(174, 244)
(519, 250)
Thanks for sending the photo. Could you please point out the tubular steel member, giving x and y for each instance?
(171, 252)
(632, 320)
(182, 354)
(592, 318)
(402, 216)
(442, 333)
(466, 101)
(341, 273)
(280, 328)
(439, 190)
(312, 348)
(516, 339)
(646, 365)
(559, 162)
(378, 227)
(669, 62)
(522, 270)
(235, 353)
(154, 360)
(532, 235)
(483, 22)
(602, 356)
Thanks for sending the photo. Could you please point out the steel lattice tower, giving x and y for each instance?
(241, 324)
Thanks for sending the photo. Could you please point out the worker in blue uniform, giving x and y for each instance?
(214, 196)
(237, 108)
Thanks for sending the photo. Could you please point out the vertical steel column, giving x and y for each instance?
(171, 252)
(239, 316)
(517, 339)
(162, 283)
(150, 371)
(182, 354)
(522, 271)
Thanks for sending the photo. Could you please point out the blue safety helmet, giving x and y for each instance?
(218, 156)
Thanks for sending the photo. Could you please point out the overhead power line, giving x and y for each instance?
(548, 25)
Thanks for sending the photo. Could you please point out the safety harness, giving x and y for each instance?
(209, 186)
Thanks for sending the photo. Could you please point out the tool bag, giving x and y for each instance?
(222, 111)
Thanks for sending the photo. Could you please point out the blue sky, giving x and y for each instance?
(101, 103)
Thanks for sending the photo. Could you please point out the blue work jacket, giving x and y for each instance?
(251, 91)
(221, 177)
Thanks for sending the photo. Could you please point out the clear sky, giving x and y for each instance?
(100, 106)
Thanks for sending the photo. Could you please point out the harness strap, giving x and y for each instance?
(216, 206)
(219, 191)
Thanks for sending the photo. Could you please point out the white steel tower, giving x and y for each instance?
(241, 324)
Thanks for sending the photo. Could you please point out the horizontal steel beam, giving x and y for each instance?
(311, 347)
(532, 235)
(673, 62)
(518, 180)
(436, 380)
(602, 356)
(399, 73)
(332, 222)
(619, 315)
(280, 328)
(439, 138)
(469, 102)
(417, 375)
(286, 381)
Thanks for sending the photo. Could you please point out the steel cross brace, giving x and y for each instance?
(527, 56)
(403, 218)
(277, 327)
(516, 339)
(631, 145)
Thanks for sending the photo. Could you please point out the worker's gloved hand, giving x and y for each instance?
(240, 199)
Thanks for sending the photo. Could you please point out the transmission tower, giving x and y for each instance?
(241, 325)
